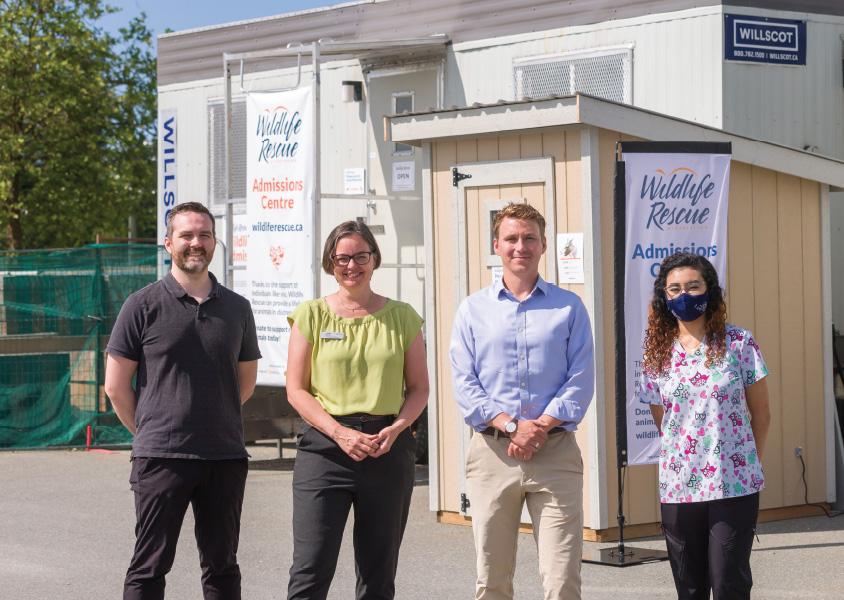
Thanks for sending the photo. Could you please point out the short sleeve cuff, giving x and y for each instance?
(414, 326)
(122, 353)
(752, 364)
(647, 392)
(751, 377)
(301, 317)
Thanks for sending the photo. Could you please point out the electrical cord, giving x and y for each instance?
(828, 513)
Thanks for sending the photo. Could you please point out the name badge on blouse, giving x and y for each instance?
(331, 335)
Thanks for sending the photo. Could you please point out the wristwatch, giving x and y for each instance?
(511, 426)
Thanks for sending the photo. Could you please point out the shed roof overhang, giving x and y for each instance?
(584, 110)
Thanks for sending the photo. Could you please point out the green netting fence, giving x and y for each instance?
(57, 308)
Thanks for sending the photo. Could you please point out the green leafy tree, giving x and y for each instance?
(134, 141)
(77, 124)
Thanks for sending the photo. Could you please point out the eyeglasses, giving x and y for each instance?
(693, 287)
(361, 258)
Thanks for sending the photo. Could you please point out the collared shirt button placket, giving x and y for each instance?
(489, 353)
(521, 351)
(523, 371)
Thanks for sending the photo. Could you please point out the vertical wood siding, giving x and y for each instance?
(773, 289)
(559, 144)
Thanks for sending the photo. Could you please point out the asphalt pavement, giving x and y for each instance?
(67, 520)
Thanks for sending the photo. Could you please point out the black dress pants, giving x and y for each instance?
(709, 547)
(326, 484)
(163, 489)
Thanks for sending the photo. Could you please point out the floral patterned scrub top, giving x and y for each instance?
(707, 450)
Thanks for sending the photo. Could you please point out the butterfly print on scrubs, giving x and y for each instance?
(707, 450)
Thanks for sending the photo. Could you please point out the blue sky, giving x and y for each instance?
(187, 14)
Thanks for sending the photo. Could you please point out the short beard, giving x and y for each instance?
(194, 267)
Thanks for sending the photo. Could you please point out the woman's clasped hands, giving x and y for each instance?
(359, 445)
(356, 444)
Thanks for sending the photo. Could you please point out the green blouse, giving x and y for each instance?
(357, 364)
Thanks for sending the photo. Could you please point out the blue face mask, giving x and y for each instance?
(687, 307)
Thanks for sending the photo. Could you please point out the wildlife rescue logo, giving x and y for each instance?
(675, 200)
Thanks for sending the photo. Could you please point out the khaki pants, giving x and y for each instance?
(552, 485)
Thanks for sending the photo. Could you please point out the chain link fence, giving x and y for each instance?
(57, 308)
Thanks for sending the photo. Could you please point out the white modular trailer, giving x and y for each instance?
(801, 106)
(352, 141)
(663, 55)
(666, 56)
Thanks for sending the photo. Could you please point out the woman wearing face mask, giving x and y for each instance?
(705, 382)
(357, 375)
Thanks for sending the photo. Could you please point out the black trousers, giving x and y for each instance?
(709, 547)
(163, 489)
(326, 484)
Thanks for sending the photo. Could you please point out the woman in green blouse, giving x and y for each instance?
(357, 375)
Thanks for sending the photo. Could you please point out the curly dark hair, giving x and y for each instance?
(662, 324)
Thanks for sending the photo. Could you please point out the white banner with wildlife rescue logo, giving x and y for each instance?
(675, 202)
(280, 158)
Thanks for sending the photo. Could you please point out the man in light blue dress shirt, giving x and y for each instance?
(523, 367)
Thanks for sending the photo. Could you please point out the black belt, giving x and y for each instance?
(497, 433)
(493, 432)
(360, 420)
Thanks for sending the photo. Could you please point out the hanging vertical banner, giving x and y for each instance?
(675, 201)
(279, 218)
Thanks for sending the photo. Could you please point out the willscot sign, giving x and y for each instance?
(764, 40)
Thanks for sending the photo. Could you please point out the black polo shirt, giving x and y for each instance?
(187, 354)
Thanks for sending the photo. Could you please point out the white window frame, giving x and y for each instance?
(400, 149)
(490, 207)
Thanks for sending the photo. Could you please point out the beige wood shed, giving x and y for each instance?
(558, 154)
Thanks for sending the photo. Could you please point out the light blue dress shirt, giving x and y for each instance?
(525, 358)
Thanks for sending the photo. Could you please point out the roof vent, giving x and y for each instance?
(606, 73)
(217, 155)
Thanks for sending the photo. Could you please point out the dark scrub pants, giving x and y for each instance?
(709, 546)
(163, 489)
(326, 484)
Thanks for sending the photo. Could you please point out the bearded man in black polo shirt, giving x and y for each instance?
(193, 346)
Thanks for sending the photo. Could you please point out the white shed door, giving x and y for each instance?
(481, 190)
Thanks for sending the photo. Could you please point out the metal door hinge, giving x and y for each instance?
(457, 177)
(464, 503)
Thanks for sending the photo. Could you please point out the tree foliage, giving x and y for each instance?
(77, 124)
